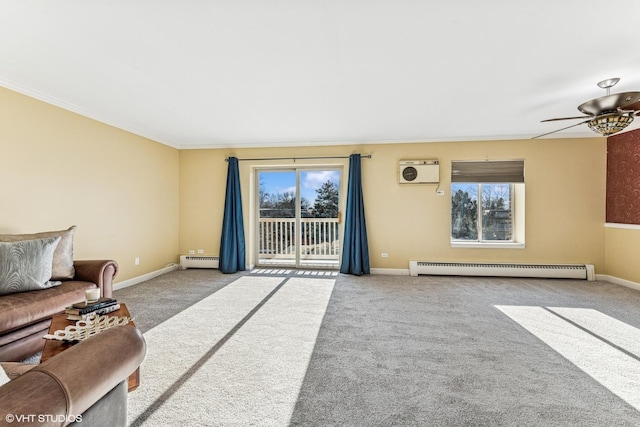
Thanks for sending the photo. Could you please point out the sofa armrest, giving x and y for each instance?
(68, 384)
(100, 272)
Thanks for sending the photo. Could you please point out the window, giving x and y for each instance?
(487, 204)
(496, 221)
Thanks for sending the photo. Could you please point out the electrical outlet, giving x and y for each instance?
(192, 252)
(200, 251)
(137, 261)
(384, 255)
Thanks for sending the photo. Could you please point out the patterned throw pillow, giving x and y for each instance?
(63, 255)
(26, 265)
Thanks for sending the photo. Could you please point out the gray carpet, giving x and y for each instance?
(161, 298)
(407, 351)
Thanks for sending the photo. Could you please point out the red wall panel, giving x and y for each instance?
(623, 178)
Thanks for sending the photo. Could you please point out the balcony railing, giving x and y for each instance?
(320, 242)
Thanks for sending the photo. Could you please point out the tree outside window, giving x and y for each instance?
(491, 221)
(464, 212)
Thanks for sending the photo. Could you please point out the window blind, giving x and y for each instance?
(511, 171)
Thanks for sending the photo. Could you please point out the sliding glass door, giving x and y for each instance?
(298, 218)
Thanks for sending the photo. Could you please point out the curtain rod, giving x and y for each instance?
(366, 156)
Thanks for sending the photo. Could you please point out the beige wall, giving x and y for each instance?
(133, 197)
(622, 246)
(203, 177)
(60, 169)
(565, 193)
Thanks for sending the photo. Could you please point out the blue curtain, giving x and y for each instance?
(232, 245)
(355, 253)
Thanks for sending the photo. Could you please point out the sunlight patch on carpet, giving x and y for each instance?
(252, 379)
(290, 272)
(601, 346)
(178, 343)
(272, 271)
(610, 329)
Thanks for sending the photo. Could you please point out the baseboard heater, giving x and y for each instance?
(192, 261)
(555, 271)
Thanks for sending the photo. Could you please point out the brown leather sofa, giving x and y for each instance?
(85, 385)
(25, 316)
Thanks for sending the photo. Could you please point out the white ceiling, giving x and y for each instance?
(250, 73)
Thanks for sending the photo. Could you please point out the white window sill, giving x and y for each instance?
(484, 245)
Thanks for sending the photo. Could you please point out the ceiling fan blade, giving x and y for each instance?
(630, 107)
(566, 118)
(558, 130)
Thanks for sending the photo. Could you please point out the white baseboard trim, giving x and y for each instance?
(391, 271)
(381, 271)
(603, 277)
(145, 277)
(618, 281)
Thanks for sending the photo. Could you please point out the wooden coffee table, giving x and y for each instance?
(55, 347)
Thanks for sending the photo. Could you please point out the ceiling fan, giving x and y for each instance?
(605, 115)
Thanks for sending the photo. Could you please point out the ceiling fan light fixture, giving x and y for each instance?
(605, 115)
(610, 124)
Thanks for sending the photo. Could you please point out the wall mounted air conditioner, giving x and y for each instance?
(419, 172)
